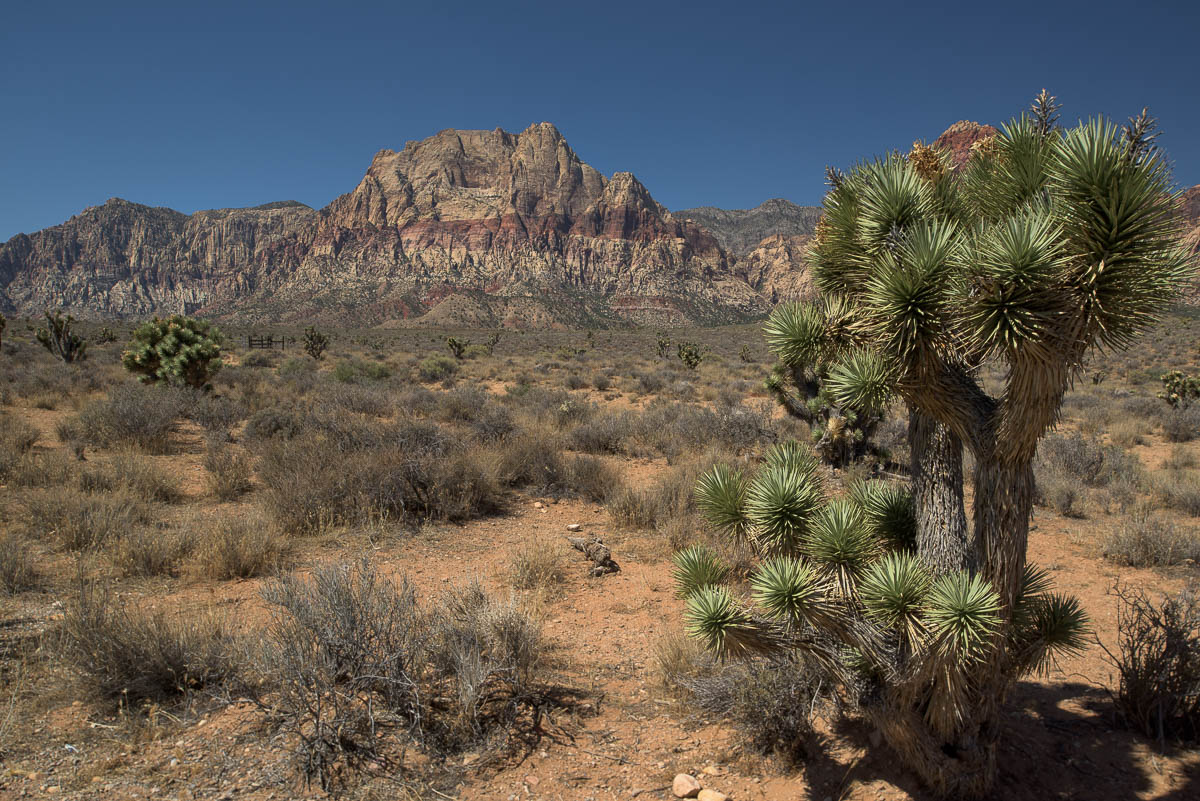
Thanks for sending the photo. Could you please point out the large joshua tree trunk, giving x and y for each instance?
(937, 488)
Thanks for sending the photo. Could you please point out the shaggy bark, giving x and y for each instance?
(937, 486)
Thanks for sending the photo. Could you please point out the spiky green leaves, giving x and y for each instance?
(893, 197)
(793, 592)
(888, 511)
(862, 382)
(1121, 230)
(839, 543)
(1017, 298)
(715, 618)
(695, 568)
(963, 616)
(893, 592)
(1045, 624)
(780, 504)
(795, 333)
(177, 350)
(720, 495)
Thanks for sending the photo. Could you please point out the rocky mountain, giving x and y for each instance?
(497, 228)
(465, 228)
(741, 231)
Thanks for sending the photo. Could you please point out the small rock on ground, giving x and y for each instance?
(685, 786)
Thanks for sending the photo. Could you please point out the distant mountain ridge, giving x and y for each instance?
(740, 231)
(464, 228)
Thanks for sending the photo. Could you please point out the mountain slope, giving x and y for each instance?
(516, 222)
(742, 230)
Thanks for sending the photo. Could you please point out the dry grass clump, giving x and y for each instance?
(144, 552)
(18, 570)
(133, 414)
(133, 474)
(1179, 490)
(227, 472)
(79, 521)
(1158, 663)
(408, 473)
(593, 479)
(1146, 539)
(17, 439)
(772, 702)
(357, 661)
(1181, 425)
(130, 656)
(1067, 466)
(236, 548)
(537, 564)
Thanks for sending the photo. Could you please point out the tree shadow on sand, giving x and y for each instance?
(1060, 741)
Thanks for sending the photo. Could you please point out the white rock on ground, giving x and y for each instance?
(711, 795)
(685, 786)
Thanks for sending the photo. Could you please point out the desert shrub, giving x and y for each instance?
(1145, 539)
(1158, 663)
(575, 381)
(678, 658)
(17, 566)
(670, 498)
(355, 657)
(1129, 432)
(1179, 490)
(134, 474)
(283, 422)
(533, 460)
(151, 552)
(238, 548)
(1062, 493)
(1181, 458)
(227, 472)
(593, 479)
(486, 652)
(1181, 424)
(311, 485)
(370, 400)
(1142, 407)
(1086, 460)
(536, 564)
(296, 369)
(601, 382)
(17, 438)
(771, 702)
(260, 358)
(79, 521)
(604, 433)
(132, 656)
(132, 414)
(46, 469)
(355, 370)
(648, 383)
(213, 413)
(436, 368)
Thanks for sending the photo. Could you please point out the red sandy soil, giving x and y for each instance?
(627, 733)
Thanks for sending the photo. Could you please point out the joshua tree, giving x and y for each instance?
(821, 377)
(315, 343)
(690, 354)
(1048, 244)
(57, 338)
(176, 350)
(458, 347)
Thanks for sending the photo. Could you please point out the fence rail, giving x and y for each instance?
(266, 343)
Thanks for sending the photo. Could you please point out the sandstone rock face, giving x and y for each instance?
(741, 231)
(778, 269)
(959, 137)
(498, 228)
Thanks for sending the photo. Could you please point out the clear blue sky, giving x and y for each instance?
(212, 104)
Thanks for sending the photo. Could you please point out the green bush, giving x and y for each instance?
(435, 368)
(177, 350)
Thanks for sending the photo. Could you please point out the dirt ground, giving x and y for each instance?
(625, 735)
